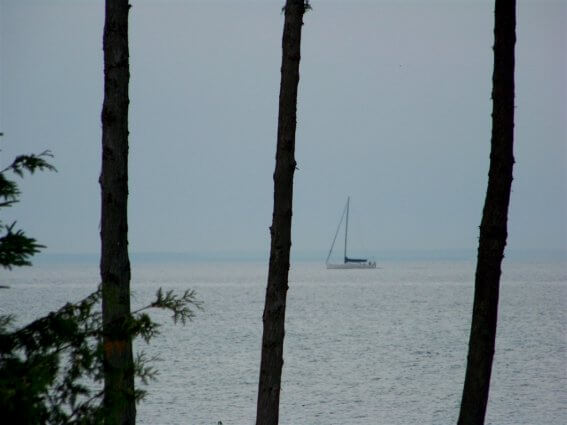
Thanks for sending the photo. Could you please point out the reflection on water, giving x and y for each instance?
(362, 346)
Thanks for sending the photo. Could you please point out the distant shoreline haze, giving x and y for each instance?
(300, 256)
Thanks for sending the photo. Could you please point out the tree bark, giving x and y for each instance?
(275, 304)
(493, 228)
(119, 398)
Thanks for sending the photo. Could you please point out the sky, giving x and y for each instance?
(393, 110)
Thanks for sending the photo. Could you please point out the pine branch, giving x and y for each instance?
(178, 305)
(30, 163)
(60, 392)
(16, 248)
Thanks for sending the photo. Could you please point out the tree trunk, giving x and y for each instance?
(274, 310)
(493, 228)
(119, 399)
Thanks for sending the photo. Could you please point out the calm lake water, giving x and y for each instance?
(385, 346)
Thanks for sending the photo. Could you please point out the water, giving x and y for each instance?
(385, 346)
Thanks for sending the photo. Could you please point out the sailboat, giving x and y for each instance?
(349, 263)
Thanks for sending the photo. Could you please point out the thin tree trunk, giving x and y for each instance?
(119, 400)
(493, 228)
(274, 310)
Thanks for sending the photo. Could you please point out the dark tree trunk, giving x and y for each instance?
(274, 310)
(493, 227)
(119, 400)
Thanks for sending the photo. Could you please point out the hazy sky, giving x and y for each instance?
(394, 110)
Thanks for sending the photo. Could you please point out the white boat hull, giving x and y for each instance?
(346, 266)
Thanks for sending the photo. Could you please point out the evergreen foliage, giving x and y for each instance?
(15, 247)
(51, 370)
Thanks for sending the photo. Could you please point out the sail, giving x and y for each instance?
(349, 263)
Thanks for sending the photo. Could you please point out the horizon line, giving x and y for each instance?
(301, 255)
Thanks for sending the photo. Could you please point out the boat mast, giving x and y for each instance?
(336, 233)
(346, 227)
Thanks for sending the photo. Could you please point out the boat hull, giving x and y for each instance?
(346, 266)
